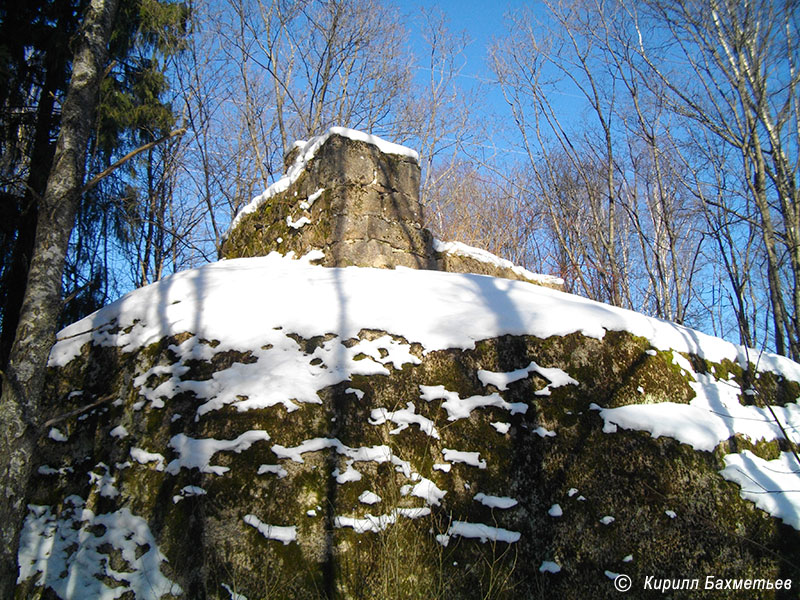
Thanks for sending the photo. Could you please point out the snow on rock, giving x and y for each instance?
(349, 473)
(773, 485)
(298, 333)
(309, 202)
(233, 594)
(460, 408)
(368, 497)
(47, 549)
(281, 533)
(378, 523)
(403, 418)
(118, 432)
(307, 150)
(501, 381)
(144, 457)
(544, 432)
(503, 502)
(197, 453)
(714, 415)
(548, 566)
(298, 223)
(469, 458)
(275, 469)
(56, 435)
(479, 531)
(425, 489)
(459, 310)
(105, 482)
(484, 256)
(188, 490)
(377, 454)
(501, 428)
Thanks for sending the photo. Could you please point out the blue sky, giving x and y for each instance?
(481, 19)
(485, 21)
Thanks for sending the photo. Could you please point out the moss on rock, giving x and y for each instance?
(672, 512)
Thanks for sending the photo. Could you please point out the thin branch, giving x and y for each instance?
(77, 411)
(105, 173)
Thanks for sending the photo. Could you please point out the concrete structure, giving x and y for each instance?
(355, 198)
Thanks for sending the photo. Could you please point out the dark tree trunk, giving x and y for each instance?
(20, 408)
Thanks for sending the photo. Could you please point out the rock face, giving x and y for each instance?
(269, 428)
(355, 198)
(348, 198)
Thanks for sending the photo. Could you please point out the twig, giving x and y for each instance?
(77, 411)
(106, 172)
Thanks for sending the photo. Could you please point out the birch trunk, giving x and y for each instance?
(21, 405)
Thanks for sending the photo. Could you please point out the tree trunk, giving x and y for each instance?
(21, 407)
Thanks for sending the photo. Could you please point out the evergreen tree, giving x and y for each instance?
(34, 73)
(42, 186)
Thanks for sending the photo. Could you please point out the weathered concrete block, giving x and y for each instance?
(355, 198)
(347, 191)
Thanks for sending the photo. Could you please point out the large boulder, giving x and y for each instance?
(270, 428)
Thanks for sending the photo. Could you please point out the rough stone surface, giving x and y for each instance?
(368, 213)
(208, 543)
(454, 263)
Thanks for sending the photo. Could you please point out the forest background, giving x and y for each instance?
(644, 152)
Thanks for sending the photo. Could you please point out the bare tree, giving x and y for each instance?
(619, 182)
(322, 63)
(480, 208)
(436, 116)
(738, 81)
(260, 74)
(575, 170)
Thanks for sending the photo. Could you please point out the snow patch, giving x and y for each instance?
(197, 453)
(549, 566)
(403, 418)
(118, 432)
(503, 502)
(188, 490)
(501, 381)
(368, 497)
(502, 428)
(378, 523)
(478, 531)
(67, 554)
(461, 408)
(469, 458)
(280, 533)
(772, 485)
(144, 457)
(459, 249)
(56, 435)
